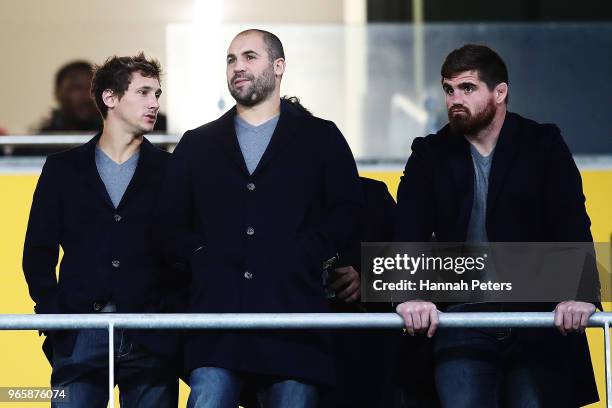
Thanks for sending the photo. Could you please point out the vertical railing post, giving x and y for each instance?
(607, 356)
(111, 365)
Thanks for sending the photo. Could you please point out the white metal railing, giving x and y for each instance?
(110, 321)
(68, 140)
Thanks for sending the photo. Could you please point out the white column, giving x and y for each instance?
(355, 65)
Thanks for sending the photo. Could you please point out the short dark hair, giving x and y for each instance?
(274, 47)
(473, 57)
(116, 74)
(71, 67)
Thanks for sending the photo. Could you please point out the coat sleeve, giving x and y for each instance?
(42, 241)
(567, 219)
(376, 221)
(565, 211)
(176, 239)
(342, 200)
(415, 200)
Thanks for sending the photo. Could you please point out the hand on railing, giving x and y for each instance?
(572, 315)
(419, 316)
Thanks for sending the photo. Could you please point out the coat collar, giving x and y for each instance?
(87, 164)
(283, 133)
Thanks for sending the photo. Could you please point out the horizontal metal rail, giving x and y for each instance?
(110, 321)
(67, 140)
(274, 320)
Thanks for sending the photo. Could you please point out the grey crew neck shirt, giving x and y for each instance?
(254, 140)
(116, 177)
(477, 231)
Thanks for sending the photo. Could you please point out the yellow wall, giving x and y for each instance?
(21, 360)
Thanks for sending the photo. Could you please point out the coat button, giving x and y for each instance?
(251, 186)
(117, 217)
(248, 275)
(250, 231)
(115, 263)
(97, 306)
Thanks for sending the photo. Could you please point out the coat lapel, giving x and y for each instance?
(462, 170)
(227, 139)
(503, 157)
(138, 181)
(281, 136)
(87, 165)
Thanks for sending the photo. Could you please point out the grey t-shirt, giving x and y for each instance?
(477, 232)
(477, 228)
(254, 140)
(116, 177)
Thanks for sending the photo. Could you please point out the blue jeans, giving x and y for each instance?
(213, 387)
(144, 379)
(483, 367)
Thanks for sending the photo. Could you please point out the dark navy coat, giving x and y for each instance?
(257, 243)
(108, 253)
(365, 358)
(535, 195)
(376, 221)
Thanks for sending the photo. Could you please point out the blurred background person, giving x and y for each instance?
(3, 132)
(76, 111)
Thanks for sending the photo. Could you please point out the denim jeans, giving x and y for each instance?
(144, 379)
(482, 368)
(213, 387)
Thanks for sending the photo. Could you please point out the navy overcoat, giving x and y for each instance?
(109, 252)
(535, 195)
(255, 243)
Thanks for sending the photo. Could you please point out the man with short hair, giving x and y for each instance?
(254, 204)
(493, 176)
(96, 201)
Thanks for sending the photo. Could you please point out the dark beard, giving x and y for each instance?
(259, 90)
(468, 124)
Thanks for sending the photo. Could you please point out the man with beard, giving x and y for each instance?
(255, 203)
(494, 176)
